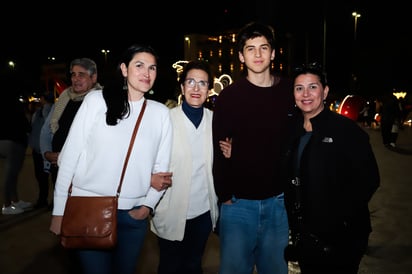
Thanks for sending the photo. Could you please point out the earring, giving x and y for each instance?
(125, 84)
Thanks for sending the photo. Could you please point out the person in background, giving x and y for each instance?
(390, 112)
(365, 115)
(83, 73)
(37, 121)
(84, 78)
(192, 196)
(332, 174)
(255, 113)
(13, 144)
(94, 152)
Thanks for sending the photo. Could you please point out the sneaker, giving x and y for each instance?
(22, 204)
(11, 209)
(392, 144)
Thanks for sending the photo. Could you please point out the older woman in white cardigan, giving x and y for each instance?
(188, 211)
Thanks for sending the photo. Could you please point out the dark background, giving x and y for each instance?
(380, 57)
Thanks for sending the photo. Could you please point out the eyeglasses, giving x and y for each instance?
(191, 83)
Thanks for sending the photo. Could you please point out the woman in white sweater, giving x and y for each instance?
(94, 152)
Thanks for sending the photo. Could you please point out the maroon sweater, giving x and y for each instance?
(258, 120)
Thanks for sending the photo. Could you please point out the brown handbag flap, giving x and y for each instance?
(80, 212)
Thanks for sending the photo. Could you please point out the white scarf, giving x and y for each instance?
(67, 95)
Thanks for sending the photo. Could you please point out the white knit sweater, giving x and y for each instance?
(93, 154)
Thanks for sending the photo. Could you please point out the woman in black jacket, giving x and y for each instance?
(332, 174)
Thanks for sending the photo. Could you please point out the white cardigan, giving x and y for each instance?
(170, 214)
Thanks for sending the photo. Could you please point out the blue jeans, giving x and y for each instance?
(123, 259)
(253, 233)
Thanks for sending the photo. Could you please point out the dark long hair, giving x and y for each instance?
(115, 93)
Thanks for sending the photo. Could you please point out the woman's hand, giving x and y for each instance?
(140, 213)
(56, 225)
(161, 181)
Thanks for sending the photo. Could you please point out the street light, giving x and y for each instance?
(105, 52)
(355, 16)
(12, 65)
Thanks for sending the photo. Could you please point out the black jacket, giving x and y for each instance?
(338, 173)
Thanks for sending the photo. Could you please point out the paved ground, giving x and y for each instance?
(26, 246)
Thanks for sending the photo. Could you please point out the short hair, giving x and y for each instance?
(86, 63)
(253, 30)
(314, 68)
(197, 64)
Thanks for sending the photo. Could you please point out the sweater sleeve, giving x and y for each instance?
(70, 153)
(162, 161)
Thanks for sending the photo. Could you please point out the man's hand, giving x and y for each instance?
(226, 147)
(51, 157)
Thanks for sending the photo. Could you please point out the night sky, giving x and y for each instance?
(381, 56)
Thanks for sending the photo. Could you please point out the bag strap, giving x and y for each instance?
(136, 127)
